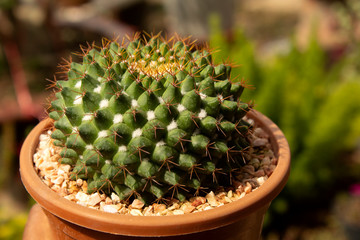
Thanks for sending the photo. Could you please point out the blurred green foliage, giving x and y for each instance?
(316, 104)
(11, 226)
(7, 4)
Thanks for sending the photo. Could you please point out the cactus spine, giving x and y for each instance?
(150, 119)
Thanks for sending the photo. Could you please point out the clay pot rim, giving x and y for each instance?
(157, 225)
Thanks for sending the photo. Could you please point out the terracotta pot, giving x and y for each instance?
(238, 220)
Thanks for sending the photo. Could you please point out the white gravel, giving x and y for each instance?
(260, 165)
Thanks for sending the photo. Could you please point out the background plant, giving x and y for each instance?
(315, 103)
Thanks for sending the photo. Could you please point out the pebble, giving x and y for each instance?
(94, 199)
(198, 201)
(210, 197)
(58, 180)
(114, 197)
(260, 133)
(159, 207)
(208, 208)
(111, 208)
(248, 187)
(82, 197)
(137, 204)
(79, 182)
(136, 212)
(261, 180)
(266, 161)
(108, 200)
(187, 207)
(260, 142)
(178, 212)
(148, 211)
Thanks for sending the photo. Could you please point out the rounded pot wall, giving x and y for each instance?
(238, 220)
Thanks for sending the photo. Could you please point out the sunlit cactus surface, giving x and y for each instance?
(150, 118)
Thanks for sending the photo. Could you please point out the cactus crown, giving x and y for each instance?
(150, 119)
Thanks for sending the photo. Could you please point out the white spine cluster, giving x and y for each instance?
(202, 95)
(180, 108)
(202, 114)
(134, 103)
(220, 97)
(161, 100)
(78, 100)
(89, 147)
(118, 118)
(150, 115)
(122, 148)
(102, 134)
(104, 103)
(137, 133)
(78, 84)
(87, 117)
(160, 143)
(153, 64)
(75, 130)
(183, 92)
(172, 125)
(97, 89)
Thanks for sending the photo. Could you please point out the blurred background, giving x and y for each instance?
(301, 56)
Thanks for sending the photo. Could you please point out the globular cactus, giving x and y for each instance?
(150, 119)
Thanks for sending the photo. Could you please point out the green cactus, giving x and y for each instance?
(150, 119)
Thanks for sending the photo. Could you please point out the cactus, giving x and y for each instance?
(150, 119)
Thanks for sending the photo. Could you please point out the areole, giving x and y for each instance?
(241, 219)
